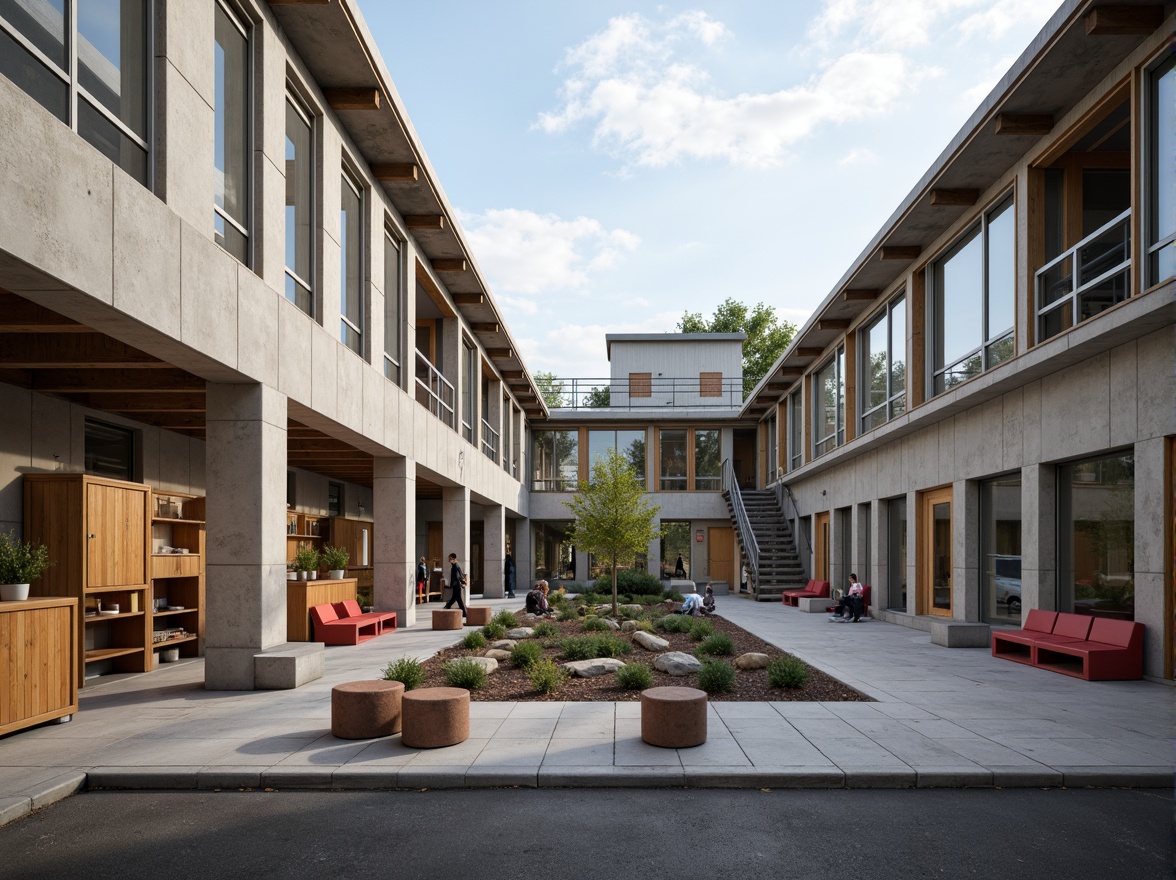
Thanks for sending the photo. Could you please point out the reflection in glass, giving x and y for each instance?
(24, 70)
(675, 550)
(110, 140)
(1096, 537)
(351, 255)
(829, 405)
(941, 556)
(112, 58)
(1000, 549)
(299, 208)
(555, 555)
(231, 127)
(1161, 221)
(673, 460)
(707, 475)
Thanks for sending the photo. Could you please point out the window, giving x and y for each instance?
(708, 475)
(630, 444)
(689, 460)
(795, 431)
(675, 550)
(773, 444)
(110, 451)
(641, 385)
(299, 206)
(710, 384)
(829, 405)
(556, 457)
(351, 264)
(1161, 174)
(468, 372)
(393, 296)
(555, 555)
(973, 300)
(335, 499)
(882, 348)
(1000, 549)
(672, 453)
(88, 64)
(896, 540)
(231, 149)
(507, 433)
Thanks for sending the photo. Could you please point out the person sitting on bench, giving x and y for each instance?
(708, 602)
(850, 607)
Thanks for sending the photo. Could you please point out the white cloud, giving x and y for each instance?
(578, 349)
(858, 156)
(525, 253)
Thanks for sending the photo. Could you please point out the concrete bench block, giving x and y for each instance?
(435, 717)
(288, 666)
(444, 618)
(478, 616)
(814, 604)
(960, 634)
(366, 709)
(673, 717)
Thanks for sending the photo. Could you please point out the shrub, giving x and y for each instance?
(593, 646)
(716, 676)
(632, 582)
(716, 645)
(787, 672)
(644, 625)
(634, 676)
(505, 619)
(493, 631)
(407, 671)
(568, 612)
(335, 558)
(546, 677)
(612, 646)
(474, 640)
(596, 624)
(674, 596)
(464, 673)
(545, 629)
(700, 629)
(631, 613)
(675, 623)
(596, 598)
(524, 655)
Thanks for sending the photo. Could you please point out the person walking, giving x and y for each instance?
(457, 584)
(422, 579)
(508, 575)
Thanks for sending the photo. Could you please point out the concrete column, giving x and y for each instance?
(455, 531)
(1151, 483)
(653, 560)
(965, 551)
(581, 571)
(1039, 540)
(245, 478)
(524, 561)
(912, 556)
(494, 551)
(394, 550)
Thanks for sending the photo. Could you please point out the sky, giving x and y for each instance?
(615, 164)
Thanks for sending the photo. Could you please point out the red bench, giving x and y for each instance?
(344, 623)
(1091, 648)
(814, 589)
(865, 602)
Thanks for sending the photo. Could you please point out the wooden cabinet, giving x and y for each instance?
(177, 573)
(99, 546)
(356, 537)
(38, 662)
(301, 596)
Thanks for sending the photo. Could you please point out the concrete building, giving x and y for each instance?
(227, 269)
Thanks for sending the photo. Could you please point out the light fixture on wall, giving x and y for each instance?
(822, 493)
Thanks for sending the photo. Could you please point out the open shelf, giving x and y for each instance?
(178, 640)
(101, 618)
(107, 653)
(174, 519)
(159, 614)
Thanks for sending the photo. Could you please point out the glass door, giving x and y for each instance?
(935, 563)
(821, 548)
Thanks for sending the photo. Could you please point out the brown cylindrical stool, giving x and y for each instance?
(435, 717)
(366, 709)
(447, 618)
(479, 616)
(673, 717)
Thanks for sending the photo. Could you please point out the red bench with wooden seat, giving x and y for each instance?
(344, 623)
(1091, 648)
(814, 589)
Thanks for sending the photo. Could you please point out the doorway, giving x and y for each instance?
(821, 546)
(743, 457)
(720, 559)
(935, 562)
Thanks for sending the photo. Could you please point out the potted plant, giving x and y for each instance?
(306, 560)
(335, 561)
(20, 565)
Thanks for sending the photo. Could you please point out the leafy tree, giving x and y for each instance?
(767, 336)
(597, 397)
(612, 518)
(551, 388)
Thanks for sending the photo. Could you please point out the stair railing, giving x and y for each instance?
(783, 490)
(742, 522)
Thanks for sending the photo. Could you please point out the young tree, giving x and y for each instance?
(598, 397)
(767, 337)
(613, 521)
(551, 388)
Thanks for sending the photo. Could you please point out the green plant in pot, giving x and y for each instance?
(306, 560)
(335, 561)
(20, 565)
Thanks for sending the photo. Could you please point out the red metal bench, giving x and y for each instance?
(350, 610)
(815, 589)
(337, 625)
(1092, 648)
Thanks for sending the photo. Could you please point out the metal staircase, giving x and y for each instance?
(766, 538)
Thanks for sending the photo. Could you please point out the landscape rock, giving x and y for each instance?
(593, 668)
(677, 663)
(487, 663)
(650, 642)
(522, 632)
(503, 644)
(630, 626)
(498, 654)
(752, 660)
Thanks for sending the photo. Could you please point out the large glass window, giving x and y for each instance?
(555, 555)
(672, 453)
(795, 431)
(299, 206)
(109, 451)
(230, 210)
(708, 476)
(1161, 165)
(556, 458)
(882, 366)
(829, 405)
(896, 547)
(675, 550)
(468, 372)
(1096, 537)
(87, 63)
(630, 444)
(1000, 549)
(393, 296)
(351, 269)
(973, 300)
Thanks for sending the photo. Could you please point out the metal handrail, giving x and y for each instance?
(489, 441)
(654, 391)
(434, 391)
(1076, 281)
(783, 488)
(742, 522)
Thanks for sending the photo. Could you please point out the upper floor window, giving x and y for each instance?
(973, 300)
(641, 384)
(708, 475)
(773, 444)
(689, 460)
(882, 362)
(672, 454)
(1161, 173)
(393, 294)
(231, 149)
(351, 268)
(556, 457)
(109, 450)
(469, 370)
(87, 63)
(829, 405)
(630, 444)
(795, 431)
(299, 206)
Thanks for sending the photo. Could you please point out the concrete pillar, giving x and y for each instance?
(653, 561)
(455, 531)
(965, 551)
(524, 560)
(1039, 540)
(245, 478)
(912, 556)
(394, 550)
(1152, 481)
(494, 551)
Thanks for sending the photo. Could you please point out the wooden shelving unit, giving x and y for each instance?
(177, 579)
(305, 528)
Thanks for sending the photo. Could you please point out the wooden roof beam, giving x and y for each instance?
(433, 222)
(906, 252)
(500, 354)
(955, 197)
(833, 324)
(469, 299)
(354, 98)
(100, 381)
(19, 315)
(485, 327)
(851, 295)
(396, 172)
(1123, 21)
(449, 265)
(809, 352)
(1023, 123)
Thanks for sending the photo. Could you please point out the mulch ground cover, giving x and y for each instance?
(509, 684)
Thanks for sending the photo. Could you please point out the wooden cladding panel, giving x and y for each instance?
(38, 662)
(710, 384)
(301, 596)
(641, 385)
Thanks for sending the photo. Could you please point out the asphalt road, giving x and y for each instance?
(560, 834)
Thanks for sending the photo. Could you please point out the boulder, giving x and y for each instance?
(650, 642)
(612, 624)
(593, 668)
(522, 632)
(630, 626)
(498, 654)
(487, 663)
(677, 663)
(633, 609)
(503, 644)
(752, 660)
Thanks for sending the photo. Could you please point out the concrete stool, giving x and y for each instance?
(479, 616)
(673, 717)
(435, 717)
(366, 709)
(444, 618)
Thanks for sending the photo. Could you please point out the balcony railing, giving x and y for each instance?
(1090, 277)
(434, 391)
(489, 441)
(655, 392)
